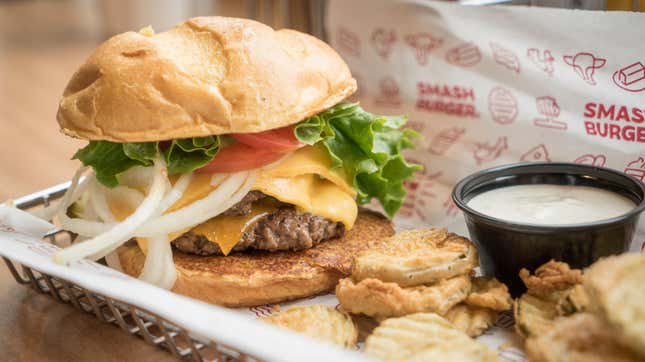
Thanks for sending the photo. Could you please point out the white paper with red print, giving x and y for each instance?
(488, 86)
(491, 85)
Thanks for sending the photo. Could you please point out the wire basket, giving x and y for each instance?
(132, 319)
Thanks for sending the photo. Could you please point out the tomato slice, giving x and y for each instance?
(276, 140)
(240, 157)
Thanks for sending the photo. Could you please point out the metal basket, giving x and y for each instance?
(130, 318)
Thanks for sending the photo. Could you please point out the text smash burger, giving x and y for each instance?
(229, 141)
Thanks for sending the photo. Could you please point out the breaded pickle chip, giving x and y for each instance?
(581, 337)
(416, 257)
(616, 286)
(318, 321)
(380, 300)
(489, 293)
(424, 337)
(471, 320)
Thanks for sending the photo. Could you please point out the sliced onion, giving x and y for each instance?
(229, 193)
(159, 268)
(130, 196)
(74, 191)
(137, 177)
(79, 226)
(99, 203)
(104, 243)
(218, 178)
(176, 192)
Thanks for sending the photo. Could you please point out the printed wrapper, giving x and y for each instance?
(494, 85)
(485, 86)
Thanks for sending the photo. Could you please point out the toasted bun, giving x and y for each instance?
(260, 278)
(206, 76)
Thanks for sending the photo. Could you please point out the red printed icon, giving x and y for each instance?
(631, 78)
(464, 55)
(538, 153)
(382, 41)
(449, 207)
(486, 152)
(423, 44)
(548, 107)
(591, 159)
(418, 190)
(585, 65)
(443, 140)
(502, 105)
(349, 42)
(415, 124)
(543, 60)
(636, 168)
(262, 310)
(389, 93)
(505, 57)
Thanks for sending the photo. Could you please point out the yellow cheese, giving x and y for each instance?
(311, 160)
(226, 231)
(310, 193)
(303, 178)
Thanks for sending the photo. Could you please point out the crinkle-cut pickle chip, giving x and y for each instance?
(318, 321)
(417, 257)
(424, 337)
(616, 289)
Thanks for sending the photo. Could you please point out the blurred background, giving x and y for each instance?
(43, 42)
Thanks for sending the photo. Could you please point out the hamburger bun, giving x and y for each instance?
(248, 279)
(206, 76)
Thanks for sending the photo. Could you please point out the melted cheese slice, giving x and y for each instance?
(226, 231)
(303, 179)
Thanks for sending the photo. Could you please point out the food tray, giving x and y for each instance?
(131, 319)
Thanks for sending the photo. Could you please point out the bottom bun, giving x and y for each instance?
(255, 278)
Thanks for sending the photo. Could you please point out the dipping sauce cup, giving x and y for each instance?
(505, 247)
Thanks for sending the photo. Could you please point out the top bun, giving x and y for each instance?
(206, 76)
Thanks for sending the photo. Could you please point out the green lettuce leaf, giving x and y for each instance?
(108, 159)
(188, 154)
(368, 147)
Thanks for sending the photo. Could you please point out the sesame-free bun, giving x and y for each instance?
(255, 278)
(206, 76)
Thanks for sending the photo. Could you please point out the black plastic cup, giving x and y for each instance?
(505, 247)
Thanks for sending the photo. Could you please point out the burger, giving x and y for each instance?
(224, 163)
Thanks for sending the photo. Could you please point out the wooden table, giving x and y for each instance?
(34, 69)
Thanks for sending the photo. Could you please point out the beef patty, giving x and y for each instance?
(283, 229)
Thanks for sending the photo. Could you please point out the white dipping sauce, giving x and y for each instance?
(551, 204)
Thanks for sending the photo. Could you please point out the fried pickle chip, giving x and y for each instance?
(553, 291)
(550, 277)
(471, 320)
(581, 337)
(489, 293)
(318, 321)
(573, 300)
(424, 337)
(533, 315)
(416, 257)
(616, 286)
(380, 299)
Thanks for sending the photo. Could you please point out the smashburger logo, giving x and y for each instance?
(615, 121)
(454, 100)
